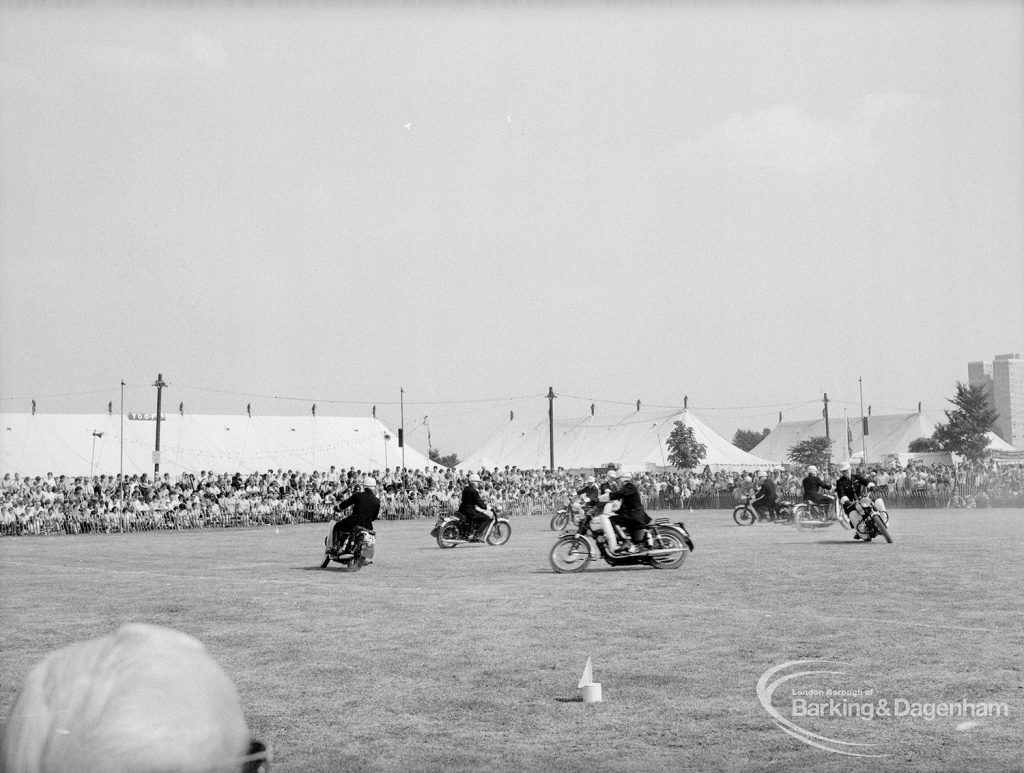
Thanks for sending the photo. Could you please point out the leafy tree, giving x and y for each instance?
(923, 445)
(964, 431)
(814, 450)
(448, 460)
(746, 439)
(684, 451)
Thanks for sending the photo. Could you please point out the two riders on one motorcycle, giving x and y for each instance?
(631, 515)
(472, 509)
(365, 509)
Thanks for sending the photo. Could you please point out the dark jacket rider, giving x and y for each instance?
(766, 494)
(814, 486)
(589, 490)
(472, 509)
(365, 509)
(850, 486)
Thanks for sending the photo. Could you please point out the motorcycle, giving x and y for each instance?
(353, 552)
(808, 516)
(665, 545)
(874, 520)
(451, 529)
(745, 514)
(567, 515)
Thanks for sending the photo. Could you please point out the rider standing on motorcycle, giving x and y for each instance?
(766, 494)
(472, 509)
(848, 489)
(631, 515)
(365, 509)
(813, 486)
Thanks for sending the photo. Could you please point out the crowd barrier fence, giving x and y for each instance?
(71, 521)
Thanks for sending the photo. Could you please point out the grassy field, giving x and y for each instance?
(468, 659)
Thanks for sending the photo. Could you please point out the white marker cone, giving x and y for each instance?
(591, 689)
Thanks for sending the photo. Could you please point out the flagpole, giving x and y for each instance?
(863, 434)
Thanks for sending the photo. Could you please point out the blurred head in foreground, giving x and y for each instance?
(145, 699)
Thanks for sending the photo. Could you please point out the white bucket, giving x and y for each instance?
(592, 692)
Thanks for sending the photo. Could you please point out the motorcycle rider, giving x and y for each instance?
(365, 509)
(608, 485)
(848, 490)
(766, 494)
(813, 486)
(472, 510)
(631, 515)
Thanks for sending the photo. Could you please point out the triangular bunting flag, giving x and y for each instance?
(588, 675)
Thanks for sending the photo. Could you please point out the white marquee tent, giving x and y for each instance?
(83, 444)
(636, 441)
(889, 436)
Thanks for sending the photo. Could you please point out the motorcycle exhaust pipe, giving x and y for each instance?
(664, 551)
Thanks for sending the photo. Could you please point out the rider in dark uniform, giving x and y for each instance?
(365, 509)
(848, 490)
(472, 509)
(814, 486)
(766, 494)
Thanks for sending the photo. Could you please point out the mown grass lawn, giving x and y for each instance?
(468, 659)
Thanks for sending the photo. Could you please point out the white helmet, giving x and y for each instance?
(762, 474)
(369, 482)
(590, 479)
(812, 470)
(474, 478)
(844, 467)
(612, 474)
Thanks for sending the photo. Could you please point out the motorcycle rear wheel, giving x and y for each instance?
(743, 516)
(669, 540)
(570, 554)
(881, 527)
(499, 534)
(448, 535)
(559, 521)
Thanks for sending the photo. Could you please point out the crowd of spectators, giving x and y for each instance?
(107, 503)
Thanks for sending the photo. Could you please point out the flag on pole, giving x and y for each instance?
(849, 439)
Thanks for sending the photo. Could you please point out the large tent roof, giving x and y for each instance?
(65, 444)
(888, 435)
(636, 440)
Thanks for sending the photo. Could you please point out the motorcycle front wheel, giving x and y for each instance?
(448, 535)
(801, 514)
(559, 521)
(743, 516)
(570, 554)
(327, 560)
(500, 533)
(881, 527)
(669, 540)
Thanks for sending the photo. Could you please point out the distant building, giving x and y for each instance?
(1003, 379)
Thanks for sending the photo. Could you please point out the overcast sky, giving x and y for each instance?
(745, 204)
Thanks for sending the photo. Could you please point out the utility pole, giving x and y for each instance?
(401, 429)
(551, 425)
(828, 435)
(120, 483)
(159, 396)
